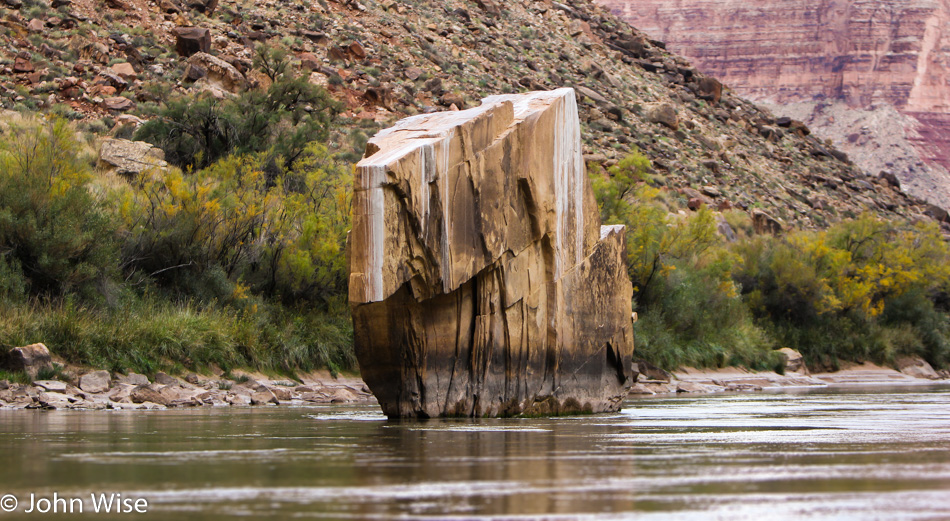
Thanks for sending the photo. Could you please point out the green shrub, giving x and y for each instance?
(929, 326)
(195, 132)
(55, 234)
(694, 320)
(690, 309)
(281, 235)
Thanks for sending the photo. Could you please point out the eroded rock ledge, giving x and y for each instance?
(481, 281)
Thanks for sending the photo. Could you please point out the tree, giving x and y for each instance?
(271, 60)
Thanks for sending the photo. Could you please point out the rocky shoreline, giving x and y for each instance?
(56, 385)
(733, 379)
(76, 388)
(136, 392)
(97, 390)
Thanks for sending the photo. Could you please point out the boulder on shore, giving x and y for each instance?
(794, 361)
(32, 359)
(917, 367)
(95, 382)
(147, 394)
(481, 280)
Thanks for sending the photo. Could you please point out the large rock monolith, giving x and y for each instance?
(481, 280)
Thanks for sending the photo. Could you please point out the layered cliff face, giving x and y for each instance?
(481, 281)
(859, 51)
(864, 53)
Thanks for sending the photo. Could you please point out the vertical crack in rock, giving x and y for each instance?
(481, 281)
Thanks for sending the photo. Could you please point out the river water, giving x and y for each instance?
(833, 454)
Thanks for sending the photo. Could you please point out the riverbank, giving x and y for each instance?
(97, 390)
(736, 379)
(138, 392)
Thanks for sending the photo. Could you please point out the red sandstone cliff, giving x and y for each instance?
(864, 53)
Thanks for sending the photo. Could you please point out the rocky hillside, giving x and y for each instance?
(855, 60)
(109, 63)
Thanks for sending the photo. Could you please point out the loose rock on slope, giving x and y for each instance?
(126, 157)
(481, 281)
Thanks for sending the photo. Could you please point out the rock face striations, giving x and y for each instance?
(837, 56)
(481, 281)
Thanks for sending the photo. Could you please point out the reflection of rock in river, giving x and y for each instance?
(481, 280)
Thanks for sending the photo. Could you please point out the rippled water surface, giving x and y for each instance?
(872, 454)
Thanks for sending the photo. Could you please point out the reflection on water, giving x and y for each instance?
(881, 454)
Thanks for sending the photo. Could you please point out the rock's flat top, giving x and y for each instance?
(431, 150)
